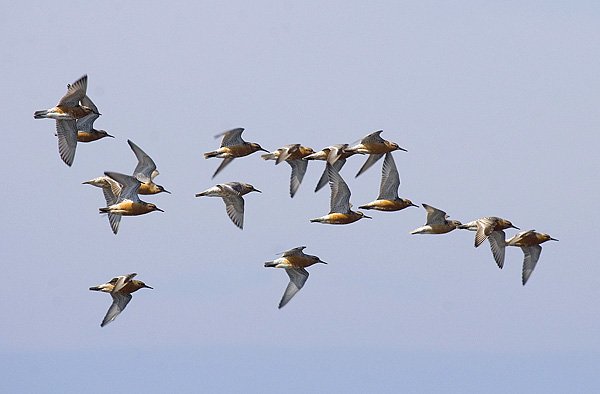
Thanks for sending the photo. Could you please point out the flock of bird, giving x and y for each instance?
(75, 115)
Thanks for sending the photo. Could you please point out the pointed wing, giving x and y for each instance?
(111, 191)
(286, 152)
(372, 138)
(145, 167)
(130, 186)
(335, 153)
(87, 122)
(114, 219)
(324, 178)
(373, 158)
(235, 210)
(232, 187)
(497, 244)
(298, 277)
(75, 93)
(485, 226)
(120, 301)
(122, 281)
(231, 137)
(87, 102)
(434, 215)
(66, 130)
(340, 192)
(222, 165)
(532, 255)
(298, 171)
(390, 179)
(294, 252)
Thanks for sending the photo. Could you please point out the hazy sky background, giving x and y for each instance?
(497, 104)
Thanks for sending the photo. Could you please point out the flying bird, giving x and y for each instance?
(437, 222)
(388, 199)
(294, 261)
(335, 155)
(293, 155)
(120, 289)
(490, 228)
(128, 202)
(69, 107)
(340, 212)
(85, 126)
(529, 242)
(232, 146)
(66, 113)
(231, 193)
(145, 171)
(69, 133)
(375, 147)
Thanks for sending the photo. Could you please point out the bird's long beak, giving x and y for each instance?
(158, 209)
(367, 217)
(321, 261)
(515, 227)
(256, 190)
(166, 191)
(111, 136)
(553, 239)
(148, 287)
(413, 205)
(264, 150)
(402, 149)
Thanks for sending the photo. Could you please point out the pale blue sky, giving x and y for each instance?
(496, 102)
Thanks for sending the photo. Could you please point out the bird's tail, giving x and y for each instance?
(104, 210)
(269, 156)
(270, 264)
(208, 155)
(420, 230)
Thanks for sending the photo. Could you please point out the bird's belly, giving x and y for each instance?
(239, 150)
(440, 228)
(386, 205)
(130, 208)
(377, 148)
(73, 112)
(341, 218)
(86, 136)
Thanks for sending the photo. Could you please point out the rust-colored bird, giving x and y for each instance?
(437, 222)
(340, 212)
(375, 147)
(120, 289)
(335, 155)
(293, 155)
(145, 172)
(128, 202)
(388, 199)
(232, 146)
(529, 242)
(490, 228)
(294, 261)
